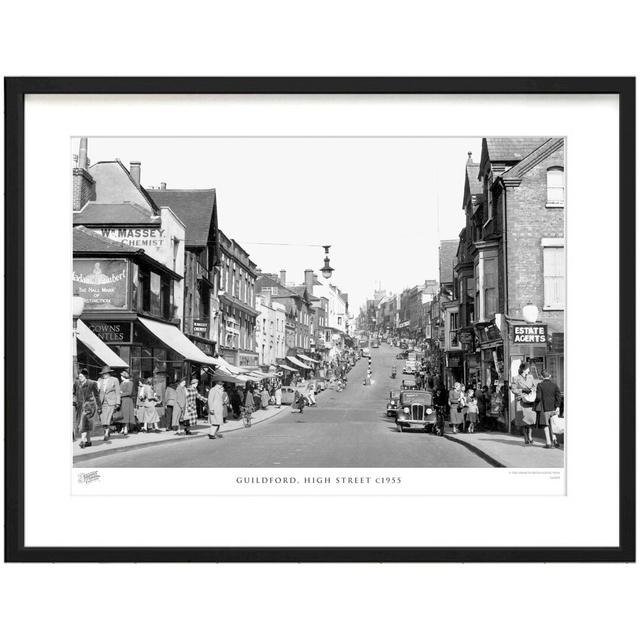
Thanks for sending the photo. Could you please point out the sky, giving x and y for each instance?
(383, 204)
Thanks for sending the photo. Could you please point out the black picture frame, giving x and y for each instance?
(15, 91)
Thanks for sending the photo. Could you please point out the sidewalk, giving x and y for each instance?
(508, 450)
(119, 442)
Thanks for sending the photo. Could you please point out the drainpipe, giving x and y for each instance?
(506, 345)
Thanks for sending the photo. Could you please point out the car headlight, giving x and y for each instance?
(406, 409)
(429, 411)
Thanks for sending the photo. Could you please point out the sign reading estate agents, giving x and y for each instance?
(530, 334)
(102, 283)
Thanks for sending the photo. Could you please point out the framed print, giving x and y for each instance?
(320, 319)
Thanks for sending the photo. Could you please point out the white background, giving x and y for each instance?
(322, 601)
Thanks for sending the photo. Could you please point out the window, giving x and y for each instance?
(553, 269)
(555, 187)
(155, 294)
(490, 287)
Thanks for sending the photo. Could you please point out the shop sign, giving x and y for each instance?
(144, 238)
(206, 347)
(111, 331)
(530, 334)
(102, 283)
(201, 326)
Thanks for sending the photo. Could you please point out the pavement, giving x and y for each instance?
(135, 441)
(508, 450)
(347, 429)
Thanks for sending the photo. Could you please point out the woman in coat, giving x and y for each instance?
(524, 389)
(548, 399)
(455, 410)
(180, 406)
(86, 403)
(149, 400)
(249, 404)
(215, 403)
(127, 407)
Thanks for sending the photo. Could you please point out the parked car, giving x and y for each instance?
(416, 411)
(392, 405)
(410, 366)
(408, 383)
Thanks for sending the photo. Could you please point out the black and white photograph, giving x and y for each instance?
(336, 303)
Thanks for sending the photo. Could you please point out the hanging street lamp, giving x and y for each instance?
(530, 312)
(327, 270)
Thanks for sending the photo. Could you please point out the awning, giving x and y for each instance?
(226, 366)
(288, 368)
(98, 348)
(176, 340)
(297, 362)
(300, 355)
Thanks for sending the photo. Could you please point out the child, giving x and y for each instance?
(86, 419)
(472, 410)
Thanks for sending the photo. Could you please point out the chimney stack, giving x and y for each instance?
(308, 280)
(283, 278)
(84, 186)
(163, 186)
(134, 170)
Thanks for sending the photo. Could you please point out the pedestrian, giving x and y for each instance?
(236, 402)
(524, 389)
(472, 410)
(278, 394)
(311, 395)
(225, 403)
(169, 404)
(86, 403)
(482, 398)
(127, 409)
(148, 414)
(180, 406)
(264, 398)
(548, 399)
(455, 409)
(190, 417)
(215, 403)
(109, 389)
(249, 404)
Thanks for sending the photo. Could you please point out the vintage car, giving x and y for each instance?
(410, 366)
(288, 394)
(392, 405)
(416, 411)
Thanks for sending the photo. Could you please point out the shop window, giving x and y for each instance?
(166, 298)
(145, 290)
(555, 187)
(155, 287)
(554, 276)
(135, 285)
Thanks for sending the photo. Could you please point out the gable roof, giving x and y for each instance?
(195, 207)
(88, 241)
(510, 149)
(472, 185)
(125, 213)
(535, 157)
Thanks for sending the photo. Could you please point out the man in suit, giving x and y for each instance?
(84, 391)
(109, 388)
(548, 399)
(216, 409)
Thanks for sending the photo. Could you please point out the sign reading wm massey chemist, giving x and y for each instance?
(530, 334)
(142, 238)
(102, 283)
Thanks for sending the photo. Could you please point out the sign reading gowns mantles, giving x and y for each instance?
(530, 334)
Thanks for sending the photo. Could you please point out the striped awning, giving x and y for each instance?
(307, 358)
(287, 367)
(297, 362)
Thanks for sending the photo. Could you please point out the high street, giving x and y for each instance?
(346, 429)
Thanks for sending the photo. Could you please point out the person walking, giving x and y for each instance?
(455, 410)
(524, 389)
(264, 398)
(190, 417)
(127, 407)
(86, 402)
(169, 404)
(179, 407)
(148, 412)
(548, 399)
(215, 403)
(472, 410)
(482, 398)
(249, 404)
(109, 389)
(278, 394)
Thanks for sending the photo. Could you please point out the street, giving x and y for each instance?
(346, 429)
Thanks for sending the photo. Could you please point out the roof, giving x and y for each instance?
(87, 241)
(195, 207)
(126, 213)
(535, 157)
(447, 258)
(510, 149)
(475, 186)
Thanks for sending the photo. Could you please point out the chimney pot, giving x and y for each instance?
(134, 170)
(163, 185)
(283, 278)
(83, 161)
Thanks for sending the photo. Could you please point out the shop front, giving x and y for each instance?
(453, 369)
